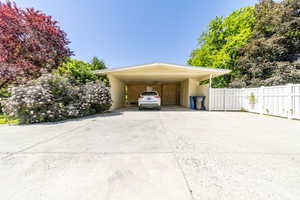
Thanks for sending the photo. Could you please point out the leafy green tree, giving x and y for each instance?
(272, 56)
(82, 72)
(218, 47)
(97, 64)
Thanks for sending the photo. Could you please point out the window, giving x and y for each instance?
(149, 94)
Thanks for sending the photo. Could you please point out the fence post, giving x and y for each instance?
(224, 99)
(243, 99)
(209, 99)
(290, 101)
(209, 92)
(261, 100)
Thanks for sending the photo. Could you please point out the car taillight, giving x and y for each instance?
(157, 97)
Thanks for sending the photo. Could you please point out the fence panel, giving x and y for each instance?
(276, 100)
(233, 99)
(217, 99)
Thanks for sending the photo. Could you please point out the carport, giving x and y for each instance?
(175, 83)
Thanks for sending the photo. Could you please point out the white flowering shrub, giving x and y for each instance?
(54, 98)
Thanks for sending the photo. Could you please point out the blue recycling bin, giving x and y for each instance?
(192, 102)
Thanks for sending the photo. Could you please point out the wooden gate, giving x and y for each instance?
(133, 92)
(169, 94)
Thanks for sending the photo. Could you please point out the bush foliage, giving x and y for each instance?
(54, 97)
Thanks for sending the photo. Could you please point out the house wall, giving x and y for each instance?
(194, 89)
(117, 88)
(203, 90)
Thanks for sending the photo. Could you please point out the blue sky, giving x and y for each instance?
(130, 32)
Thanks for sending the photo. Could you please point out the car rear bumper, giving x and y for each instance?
(149, 105)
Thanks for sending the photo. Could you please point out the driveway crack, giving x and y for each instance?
(173, 152)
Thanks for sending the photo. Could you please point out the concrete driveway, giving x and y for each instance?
(173, 154)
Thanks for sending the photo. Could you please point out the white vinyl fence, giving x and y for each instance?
(281, 101)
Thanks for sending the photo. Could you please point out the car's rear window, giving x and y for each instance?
(149, 94)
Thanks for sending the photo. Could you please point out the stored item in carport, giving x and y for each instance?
(199, 101)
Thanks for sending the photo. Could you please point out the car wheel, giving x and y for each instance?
(158, 108)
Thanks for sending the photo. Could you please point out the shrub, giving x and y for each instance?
(54, 97)
(5, 120)
(3, 94)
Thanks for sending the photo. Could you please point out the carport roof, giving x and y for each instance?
(162, 71)
(197, 68)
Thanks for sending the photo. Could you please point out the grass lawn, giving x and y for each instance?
(4, 120)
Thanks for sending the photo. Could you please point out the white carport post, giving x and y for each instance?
(117, 89)
(209, 92)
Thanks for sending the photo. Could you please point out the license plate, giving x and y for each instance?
(149, 98)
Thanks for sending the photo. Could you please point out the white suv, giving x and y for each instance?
(149, 100)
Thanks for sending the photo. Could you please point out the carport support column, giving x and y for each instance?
(209, 92)
(117, 89)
